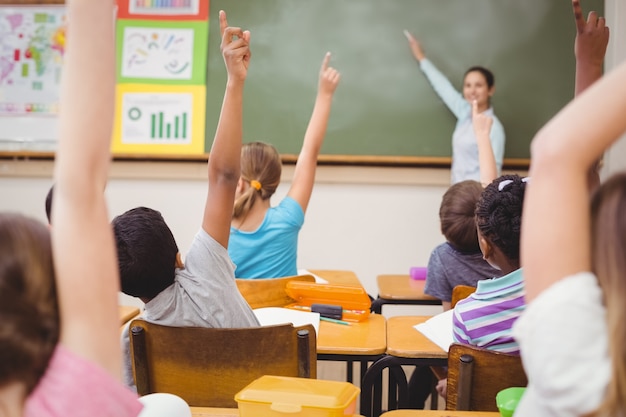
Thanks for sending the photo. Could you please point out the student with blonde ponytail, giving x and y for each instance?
(572, 334)
(264, 239)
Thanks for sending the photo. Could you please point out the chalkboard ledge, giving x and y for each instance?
(326, 159)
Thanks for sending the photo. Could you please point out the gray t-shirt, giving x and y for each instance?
(448, 267)
(204, 294)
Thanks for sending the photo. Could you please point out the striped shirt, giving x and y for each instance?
(485, 319)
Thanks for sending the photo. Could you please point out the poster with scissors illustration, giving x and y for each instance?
(162, 52)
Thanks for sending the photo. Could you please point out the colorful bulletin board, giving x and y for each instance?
(161, 71)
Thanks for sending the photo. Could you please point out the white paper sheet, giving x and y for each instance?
(438, 329)
(268, 316)
(318, 279)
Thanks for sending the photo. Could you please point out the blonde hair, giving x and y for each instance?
(29, 328)
(608, 239)
(260, 162)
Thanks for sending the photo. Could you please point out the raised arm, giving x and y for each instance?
(224, 159)
(440, 83)
(416, 47)
(84, 254)
(592, 38)
(486, 160)
(555, 229)
(304, 173)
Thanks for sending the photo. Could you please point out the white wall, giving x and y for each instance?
(368, 220)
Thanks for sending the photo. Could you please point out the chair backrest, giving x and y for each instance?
(207, 367)
(268, 292)
(476, 375)
(461, 292)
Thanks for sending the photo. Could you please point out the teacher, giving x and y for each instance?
(478, 85)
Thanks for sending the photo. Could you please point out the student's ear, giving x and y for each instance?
(492, 90)
(240, 186)
(485, 248)
(179, 261)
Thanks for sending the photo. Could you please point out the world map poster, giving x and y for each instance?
(32, 43)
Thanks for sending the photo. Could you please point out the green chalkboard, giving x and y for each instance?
(384, 107)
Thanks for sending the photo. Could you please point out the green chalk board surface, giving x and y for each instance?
(384, 108)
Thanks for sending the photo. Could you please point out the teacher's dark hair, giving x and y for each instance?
(491, 80)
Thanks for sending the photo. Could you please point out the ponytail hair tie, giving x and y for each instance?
(255, 184)
(504, 183)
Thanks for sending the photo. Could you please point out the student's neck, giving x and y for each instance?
(254, 218)
(12, 400)
(508, 267)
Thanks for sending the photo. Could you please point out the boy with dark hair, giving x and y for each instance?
(202, 292)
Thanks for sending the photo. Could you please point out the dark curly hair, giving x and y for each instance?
(499, 213)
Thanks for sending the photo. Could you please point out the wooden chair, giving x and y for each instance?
(207, 367)
(268, 292)
(476, 375)
(461, 292)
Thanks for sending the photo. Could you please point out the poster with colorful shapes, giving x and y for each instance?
(32, 43)
(163, 9)
(161, 52)
(159, 119)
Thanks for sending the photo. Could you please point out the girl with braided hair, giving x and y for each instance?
(485, 318)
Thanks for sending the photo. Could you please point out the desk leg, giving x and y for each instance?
(349, 371)
(377, 305)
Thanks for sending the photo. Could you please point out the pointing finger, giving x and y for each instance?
(325, 61)
(223, 22)
(578, 16)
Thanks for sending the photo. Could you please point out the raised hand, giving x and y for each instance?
(486, 159)
(416, 47)
(329, 77)
(592, 36)
(235, 49)
(481, 122)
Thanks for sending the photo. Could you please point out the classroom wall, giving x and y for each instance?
(365, 219)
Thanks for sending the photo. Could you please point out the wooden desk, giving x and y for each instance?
(438, 413)
(223, 412)
(362, 342)
(368, 337)
(127, 313)
(406, 342)
(401, 289)
(338, 277)
(405, 346)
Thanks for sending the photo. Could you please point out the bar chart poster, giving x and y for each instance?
(32, 44)
(161, 52)
(159, 120)
(163, 9)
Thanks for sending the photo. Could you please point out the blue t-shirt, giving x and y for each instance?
(464, 148)
(271, 250)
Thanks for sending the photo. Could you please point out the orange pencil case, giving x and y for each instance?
(354, 301)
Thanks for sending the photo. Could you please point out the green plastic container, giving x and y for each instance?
(507, 400)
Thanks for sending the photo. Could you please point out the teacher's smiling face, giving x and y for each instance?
(475, 87)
